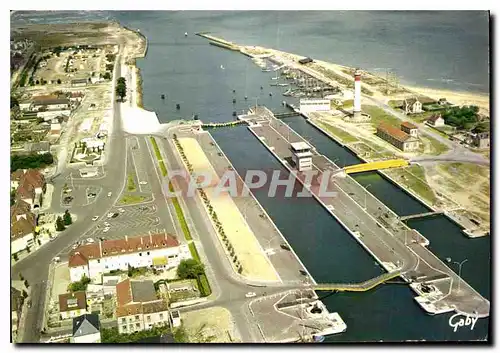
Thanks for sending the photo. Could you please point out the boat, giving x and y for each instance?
(282, 84)
(266, 70)
(234, 101)
(162, 96)
(246, 97)
(274, 78)
(222, 67)
(270, 94)
(185, 34)
(273, 84)
(318, 338)
(177, 106)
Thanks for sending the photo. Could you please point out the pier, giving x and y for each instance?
(389, 240)
(357, 287)
(421, 215)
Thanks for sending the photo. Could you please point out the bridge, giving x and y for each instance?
(285, 115)
(420, 215)
(357, 287)
(366, 167)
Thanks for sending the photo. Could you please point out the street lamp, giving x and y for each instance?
(460, 271)
(366, 193)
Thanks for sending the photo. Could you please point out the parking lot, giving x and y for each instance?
(126, 220)
(79, 195)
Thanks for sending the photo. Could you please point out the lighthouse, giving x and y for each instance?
(357, 95)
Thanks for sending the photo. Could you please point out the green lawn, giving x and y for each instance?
(437, 147)
(130, 183)
(194, 252)
(204, 286)
(338, 133)
(155, 147)
(131, 199)
(413, 178)
(378, 115)
(182, 220)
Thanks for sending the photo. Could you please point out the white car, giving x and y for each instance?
(121, 210)
(95, 218)
(109, 194)
(106, 224)
(105, 230)
(143, 182)
(56, 259)
(90, 240)
(75, 246)
(110, 214)
(250, 295)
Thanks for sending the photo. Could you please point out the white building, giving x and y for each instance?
(301, 155)
(159, 250)
(412, 106)
(94, 143)
(86, 329)
(435, 120)
(138, 307)
(314, 105)
(175, 317)
(50, 114)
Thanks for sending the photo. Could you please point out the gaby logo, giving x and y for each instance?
(457, 322)
(275, 181)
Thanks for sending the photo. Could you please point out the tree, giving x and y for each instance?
(26, 284)
(21, 278)
(67, 218)
(60, 224)
(81, 285)
(109, 67)
(190, 268)
(15, 257)
(28, 249)
(37, 82)
(58, 81)
(25, 294)
(482, 127)
(107, 76)
(121, 91)
(13, 102)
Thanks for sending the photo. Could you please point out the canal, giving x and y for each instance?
(201, 78)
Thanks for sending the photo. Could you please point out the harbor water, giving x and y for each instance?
(201, 78)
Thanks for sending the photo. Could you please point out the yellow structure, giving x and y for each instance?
(357, 287)
(365, 167)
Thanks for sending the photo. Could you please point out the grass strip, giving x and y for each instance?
(130, 183)
(203, 285)
(194, 252)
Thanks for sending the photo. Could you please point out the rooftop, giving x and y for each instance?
(72, 301)
(394, 132)
(81, 255)
(87, 324)
(408, 125)
(297, 146)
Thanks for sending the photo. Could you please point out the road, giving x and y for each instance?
(37, 274)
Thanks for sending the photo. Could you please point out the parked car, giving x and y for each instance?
(284, 246)
(57, 259)
(143, 182)
(114, 215)
(75, 246)
(109, 194)
(250, 295)
(105, 230)
(121, 210)
(90, 240)
(110, 214)
(95, 218)
(107, 224)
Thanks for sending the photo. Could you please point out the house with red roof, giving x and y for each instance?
(22, 226)
(161, 251)
(30, 185)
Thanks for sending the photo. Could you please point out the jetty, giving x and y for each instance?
(421, 215)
